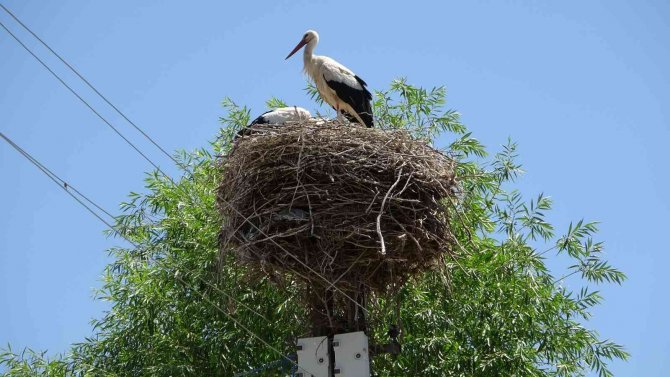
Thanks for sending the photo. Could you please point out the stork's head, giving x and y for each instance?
(311, 37)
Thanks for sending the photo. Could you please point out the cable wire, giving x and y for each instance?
(91, 86)
(58, 180)
(61, 183)
(83, 100)
(66, 186)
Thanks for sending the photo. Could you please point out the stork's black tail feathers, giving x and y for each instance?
(366, 106)
(366, 115)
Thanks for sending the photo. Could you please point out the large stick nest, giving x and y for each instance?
(332, 203)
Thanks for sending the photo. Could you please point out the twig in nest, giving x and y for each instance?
(381, 210)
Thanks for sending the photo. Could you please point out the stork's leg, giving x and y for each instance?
(337, 110)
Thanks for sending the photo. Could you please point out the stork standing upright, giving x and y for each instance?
(338, 85)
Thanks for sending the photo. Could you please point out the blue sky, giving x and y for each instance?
(582, 86)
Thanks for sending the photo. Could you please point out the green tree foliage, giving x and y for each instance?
(495, 310)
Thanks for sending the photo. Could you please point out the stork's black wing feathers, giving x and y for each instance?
(246, 131)
(358, 99)
(260, 120)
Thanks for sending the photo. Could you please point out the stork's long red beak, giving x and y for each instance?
(298, 47)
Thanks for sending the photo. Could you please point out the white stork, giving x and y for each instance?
(279, 115)
(282, 115)
(338, 85)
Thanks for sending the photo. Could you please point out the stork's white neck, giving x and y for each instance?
(309, 51)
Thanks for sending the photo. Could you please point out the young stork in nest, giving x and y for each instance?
(338, 85)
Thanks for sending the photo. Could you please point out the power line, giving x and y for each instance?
(66, 186)
(62, 184)
(57, 180)
(310, 269)
(83, 100)
(91, 86)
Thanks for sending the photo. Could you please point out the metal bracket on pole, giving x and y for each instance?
(313, 357)
(352, 358)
